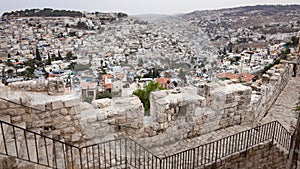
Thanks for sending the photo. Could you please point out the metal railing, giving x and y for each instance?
(119, 152)
(36, 148)
(214, 151)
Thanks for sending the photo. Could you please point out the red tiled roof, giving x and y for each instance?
(52, 75)
(224, 75)
(162, 80)
(246, 77)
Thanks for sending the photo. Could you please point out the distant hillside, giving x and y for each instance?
(246, 26)
(46, 12)
(264, 10)
(151, 17)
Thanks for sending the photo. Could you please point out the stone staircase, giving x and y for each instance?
(21, 148)
(169, 149)
(219, 144)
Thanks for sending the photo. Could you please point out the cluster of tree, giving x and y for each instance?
(122, 15)
(105, 94)
(294, 41)
(152, 73)
(39, 64)
(81, 25)
(46, 12)
(144, 94)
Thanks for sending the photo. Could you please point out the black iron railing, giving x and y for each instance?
(36, 148)
(212, 152)
(123, 151)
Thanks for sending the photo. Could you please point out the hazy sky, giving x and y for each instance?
(134, 6)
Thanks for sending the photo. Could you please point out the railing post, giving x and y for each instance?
(160, 163)
(274, 131)
(80, 156)
(126, 161)
(3, 137)
(194, 157)
(217, 147)
(247, 144)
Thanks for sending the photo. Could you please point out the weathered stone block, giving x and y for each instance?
(134, 125)
(44, 115)
(161, 119)
(27, 118)
(71, 102)
(68, 118)
(120, 120)
(39, 123)
(55, 113)
(63, 111)
(55, 133)
(3, 104)
(57, 104)
(92, 119)
(16, 119)
(69, 130)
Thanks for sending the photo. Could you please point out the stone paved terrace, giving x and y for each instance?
(281, 110)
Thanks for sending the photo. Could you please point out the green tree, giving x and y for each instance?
(28, 73)
(59, 57)
(140, 62)
(144, 94)
(181, 74)
(49, 60)
(105, 94)
(88, 99)
(152, 73)
(37, 54)
(71, 66)
(10, 72)
(72, 34)
(69, 56)
(295, 40)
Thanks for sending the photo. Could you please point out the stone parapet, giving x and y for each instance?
(52, 86)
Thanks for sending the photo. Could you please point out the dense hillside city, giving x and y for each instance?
(205, 89)
(117, 54)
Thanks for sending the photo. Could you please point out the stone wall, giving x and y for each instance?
(266, 91)
(52, 86)
(52, 116)
(264, 155)
(189, 112)
(111, 118)
(182, 113)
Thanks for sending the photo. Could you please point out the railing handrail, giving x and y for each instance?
(272, 126)
(244, 131)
